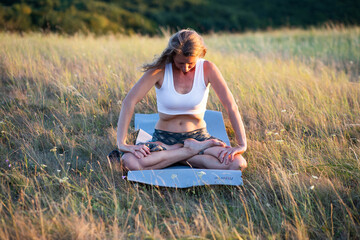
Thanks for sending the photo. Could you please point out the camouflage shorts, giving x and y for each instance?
(171, 138)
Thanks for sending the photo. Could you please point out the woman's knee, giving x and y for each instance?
(239, 163)
(131, 162)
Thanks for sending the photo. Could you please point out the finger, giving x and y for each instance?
(136, 154)
(143, 152)
(140, 149)
(146, 149)
(220, 152)
(220, 156)
(232, 156)
(227, 157)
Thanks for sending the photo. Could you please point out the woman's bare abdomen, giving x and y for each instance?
(180, 123)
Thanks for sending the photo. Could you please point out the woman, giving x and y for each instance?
(182, 80)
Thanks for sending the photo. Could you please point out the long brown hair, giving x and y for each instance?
(186, 42)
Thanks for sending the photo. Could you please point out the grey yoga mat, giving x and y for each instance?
(184, 176)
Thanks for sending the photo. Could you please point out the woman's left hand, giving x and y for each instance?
(227, 154)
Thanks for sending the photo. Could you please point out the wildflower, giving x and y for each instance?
(68, 163)
(7, 160)
(315, 177)
(268, 204)
(284, 110)
(58, 170)
(64, 179)
(43, 165)
(91, 170)
(312, 187)
(123, 177)
(54, 149)
(283, 130)
(10, 165)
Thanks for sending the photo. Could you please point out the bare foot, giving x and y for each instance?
(167, 147)
(171, 147)
(197, 146)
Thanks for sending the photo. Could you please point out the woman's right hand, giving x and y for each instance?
(139, 151)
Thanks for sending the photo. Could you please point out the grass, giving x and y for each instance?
(299, 95)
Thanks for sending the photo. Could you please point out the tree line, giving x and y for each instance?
(150, 16)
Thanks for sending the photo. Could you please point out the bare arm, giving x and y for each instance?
(222, 91)
(137, 92)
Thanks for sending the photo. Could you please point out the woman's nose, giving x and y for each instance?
(186, 68)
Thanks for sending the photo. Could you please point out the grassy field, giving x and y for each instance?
(299, 95)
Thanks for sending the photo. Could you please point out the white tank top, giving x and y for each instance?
(169, 101)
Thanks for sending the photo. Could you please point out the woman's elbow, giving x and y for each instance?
(128, 102)
(231, 108)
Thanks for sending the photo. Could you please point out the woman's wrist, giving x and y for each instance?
(121, 146)
(242, 145)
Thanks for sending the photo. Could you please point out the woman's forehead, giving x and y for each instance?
(184, 59)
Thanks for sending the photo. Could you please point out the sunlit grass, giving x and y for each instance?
(298, 92)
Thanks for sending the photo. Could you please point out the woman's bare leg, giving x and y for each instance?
(209, 160)
(162, 159)
(170, 147)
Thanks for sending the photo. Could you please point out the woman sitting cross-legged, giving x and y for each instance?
(182, 79)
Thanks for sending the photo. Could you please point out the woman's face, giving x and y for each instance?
(185, 64)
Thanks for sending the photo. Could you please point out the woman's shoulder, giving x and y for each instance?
(210, 68)
(155, 72)
(154, 76)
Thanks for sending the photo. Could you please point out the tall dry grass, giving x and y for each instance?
(298, 92)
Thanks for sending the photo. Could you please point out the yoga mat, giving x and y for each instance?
(184, 176)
